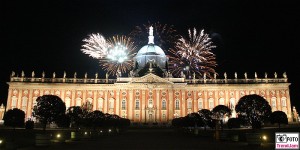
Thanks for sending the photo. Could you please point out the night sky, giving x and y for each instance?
(250, 35)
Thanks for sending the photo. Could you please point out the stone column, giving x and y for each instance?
(205, 101)
(20, 99)
(171, 106)
(73, 98)
(183, 106)
(143, 106)
(117, 108)
(288, 105)
(8, 103)
(95, 101)
(105, 101)
(194, 101)
(158, 107)
(278, 103)
(29, 104)
(130, 105)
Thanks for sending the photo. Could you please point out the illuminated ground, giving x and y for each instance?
(164, 139)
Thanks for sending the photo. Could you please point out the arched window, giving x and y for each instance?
(189, 104)
(67, 101)
(232, 103)
(211, 103)
(111, 103)
(273, 101)
(150, 103)
(90, 100)
(123, 104)
(100, 103)
(137, 104)
(221, 101)
(24, 104)
(78, 101)
(200, 103)
(283, 101)
(164, 104)
(177, 104)
(14, 100)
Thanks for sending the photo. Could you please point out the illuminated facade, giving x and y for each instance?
(145, 96)
(149, 98)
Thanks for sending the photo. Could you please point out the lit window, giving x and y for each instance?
(177, 104)
(123, 104)
(137, 104)
(164, 104)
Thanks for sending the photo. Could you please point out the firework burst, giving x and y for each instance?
(193, 55)
(95, 46)
(119, 56)
(164, 35)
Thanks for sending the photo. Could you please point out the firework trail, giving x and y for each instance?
(165, 35)
(120, 55)
(193, 55)
(95, 46)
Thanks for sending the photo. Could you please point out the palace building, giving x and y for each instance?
(148, 97)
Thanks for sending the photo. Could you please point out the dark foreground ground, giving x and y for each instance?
(152, 139)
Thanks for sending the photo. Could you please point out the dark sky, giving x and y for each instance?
(250, 35)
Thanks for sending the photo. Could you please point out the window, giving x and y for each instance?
(164, 104)
(78, 102)
(164, 117)
(137, 116)
(221, 101)
(273, 102)
(189, 106)
(24, 103)
(150, 103)
(67, 101)
(232, 103)
(137, 104)
(200, 104)
(211, 103)
(283, 102)
(14, 102)
(100, 103)
(123, 104)
(111, 103)
(177, 104)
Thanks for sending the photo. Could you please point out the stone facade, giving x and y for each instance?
(149, 98)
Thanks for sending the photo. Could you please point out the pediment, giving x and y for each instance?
(150, 78)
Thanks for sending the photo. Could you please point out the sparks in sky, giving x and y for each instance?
(193, 55)
(165, 35)
(119, 58)
(95, 46)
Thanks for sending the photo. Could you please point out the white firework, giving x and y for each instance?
(95, 46)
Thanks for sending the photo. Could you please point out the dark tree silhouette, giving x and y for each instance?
(48, 109)
(14, 118)
(278, 117)
(95, 119)
(63, 121)
(253, 109)
(75, 114)
(206, 116)
(220, 111)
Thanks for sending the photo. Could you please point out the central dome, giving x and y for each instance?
(150, 54)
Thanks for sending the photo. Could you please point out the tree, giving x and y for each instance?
(253, 109)
(278, 117)
(48, 109)
(14, 118)
(206, 114)
(220, 111)
(95, 119)
(75, 113)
